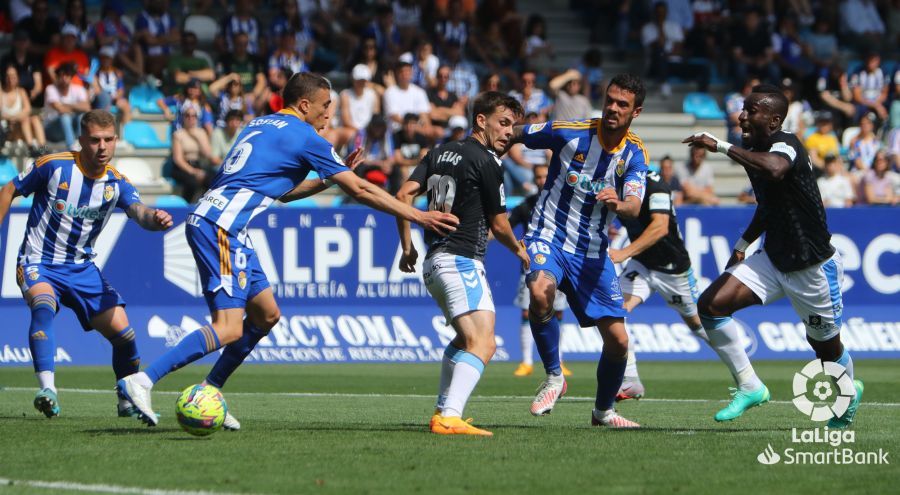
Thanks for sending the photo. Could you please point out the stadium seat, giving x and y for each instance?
(849, 134)
(7, 170)
(170, 201)
(136, 169)
(143, 98)
(203, 26)
(141, 135)
(25, 202)
(513, 201)
(702, 106)
(337, 201)
(303, 203)
(421, 202)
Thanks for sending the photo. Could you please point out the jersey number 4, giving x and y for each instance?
(441, 193)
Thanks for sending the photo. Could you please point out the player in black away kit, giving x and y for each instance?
(797, 259)
(464, 178)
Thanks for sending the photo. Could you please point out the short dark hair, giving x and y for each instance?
(488, 102)
(98, 118)
(234, 114)
(664, 158)
(303, 85)
(774, 98)
(410, 117)
(68, 68)
(631, 83)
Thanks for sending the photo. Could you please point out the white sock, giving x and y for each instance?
(700, 333)
(143, 380)
(465, 377)
(527, 343)
(726, 341)
(631, 371)
(447, 365)
(46, 379)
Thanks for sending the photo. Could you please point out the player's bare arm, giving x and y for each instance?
(312, 187)
(408, 257)
(658, 228)
(630, 207)
(7, 194)
(518, 132)
(503, 232)
(770, 166)
(371, 195)
(149, 218)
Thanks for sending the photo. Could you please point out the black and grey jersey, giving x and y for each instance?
(791, 209)
(466, 179)
(667, 255)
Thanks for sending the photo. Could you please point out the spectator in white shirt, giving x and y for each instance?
(406, 98)
(359, 102)
(570, 104)
(697, 179)
(834, 186)
(64, 103)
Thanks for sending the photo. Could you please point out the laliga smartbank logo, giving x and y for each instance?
(822, 391)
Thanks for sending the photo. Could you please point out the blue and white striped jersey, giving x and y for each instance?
(69, 208)
(271, 155)
(567, 213)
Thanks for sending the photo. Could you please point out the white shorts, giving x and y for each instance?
(523, 299)
(457, 284)
(678, 289)
(814, 292)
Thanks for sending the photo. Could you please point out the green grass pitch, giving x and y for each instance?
(363, 429)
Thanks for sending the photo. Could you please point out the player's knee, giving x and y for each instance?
(616, 344)
(270, 319)
(711, 304)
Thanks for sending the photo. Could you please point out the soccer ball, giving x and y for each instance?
(201, 410)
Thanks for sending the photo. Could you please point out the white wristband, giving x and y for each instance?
(723, 146)
(741, 245)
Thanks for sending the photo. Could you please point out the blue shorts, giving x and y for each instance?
(590, 284)
(80, 287)
(229, 269)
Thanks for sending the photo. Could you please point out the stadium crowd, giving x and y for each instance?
(406, 72)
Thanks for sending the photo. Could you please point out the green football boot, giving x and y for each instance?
(844, 421)
(741, 401)
(46, 402)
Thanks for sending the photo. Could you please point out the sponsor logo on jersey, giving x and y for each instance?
(215, 200)
(620, 167)
(585, 183)
(34, 275)
(84, 212)
(540, 259)
(64, 186)
(634, 188)
(108, 193)
(536, 127)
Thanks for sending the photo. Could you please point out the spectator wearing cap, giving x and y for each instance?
(157, 34)
(697, 179)
(833, 94)
(405, 97)
(15, 113)
(42, 28)
(188, 64)
(241, 21)
(570, 103)
(64, 103)
(410, 146)
(822, 142)
(111, 31)
(752, 51)
(870, 87)
(192, 94)
(359, 102)
(108, 86)
(444, 104)
(864, 145)
(378, 162)
(532, 98)
(520, 161)
(878, 183)
(457, 125)
(223, 138)
(27, 65)
(250, 68)
(68, 52)
(194, 164)
(862, 24)
(834, 187)
(463, 81)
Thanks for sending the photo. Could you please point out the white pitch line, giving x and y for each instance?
(412, 396)
(83, 487)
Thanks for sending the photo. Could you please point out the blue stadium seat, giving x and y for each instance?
(143, 98)
(141, 135)
(513, 201)
(25, 202)
(702, 106)
(303, 203)
(421, 202)
(7, 170)
(170, 201)
(337, 201)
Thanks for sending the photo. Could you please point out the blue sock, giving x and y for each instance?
(234, 354)
(847, 362)
(41, 339)
(125, 358)
(609, 378)
(546, 336)
(192, 347)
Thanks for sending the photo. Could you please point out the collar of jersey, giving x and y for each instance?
(289, 111)
(84, 172)
(618, 147)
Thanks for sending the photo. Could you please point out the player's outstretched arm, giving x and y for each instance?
(407, 194)
(149, 218)
(658, 228)
(6, 197)
(770, 166)
(312, 187)
(503, 232)
(373, 196)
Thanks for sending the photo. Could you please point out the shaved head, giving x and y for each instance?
(772, 98)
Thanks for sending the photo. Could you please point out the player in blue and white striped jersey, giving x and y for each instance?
(269, 161)
(74, 195)
(598, 170)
